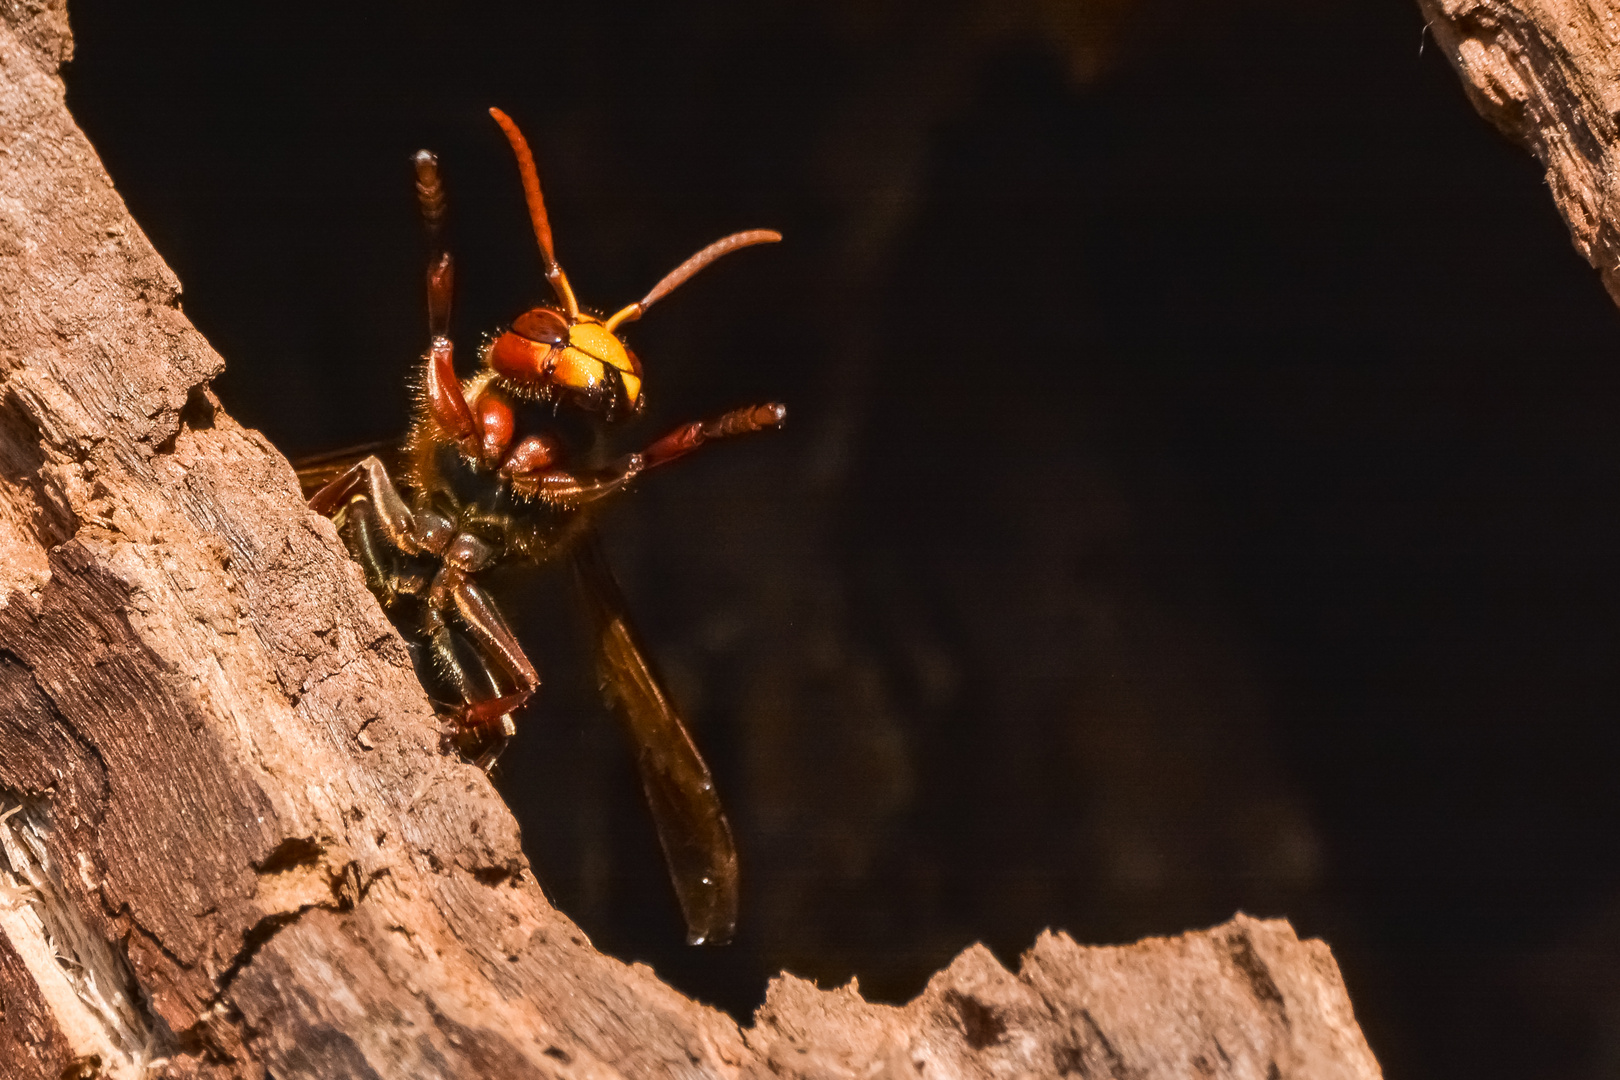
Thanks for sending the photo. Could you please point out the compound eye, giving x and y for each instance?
(542, 325)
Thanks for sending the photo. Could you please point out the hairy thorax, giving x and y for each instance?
(497, 494)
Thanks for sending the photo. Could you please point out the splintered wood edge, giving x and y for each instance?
(229, 844)
(1547, 73)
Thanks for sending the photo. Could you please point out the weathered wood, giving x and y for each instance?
(1547, 72)
(229, 844)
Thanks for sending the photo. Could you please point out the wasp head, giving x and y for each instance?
(562, 354)
(547, 356)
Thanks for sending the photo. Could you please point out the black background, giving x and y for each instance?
(1199, 492)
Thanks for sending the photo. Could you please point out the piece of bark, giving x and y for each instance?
(229, 844)
(1547, 73)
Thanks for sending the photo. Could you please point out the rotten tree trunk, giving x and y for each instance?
(229, 844)
(1547, 72)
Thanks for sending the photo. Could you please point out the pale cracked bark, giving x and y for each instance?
(229, 844)
(1547, 72)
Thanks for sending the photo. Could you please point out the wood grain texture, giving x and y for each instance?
(1547, 73)
(229, 844)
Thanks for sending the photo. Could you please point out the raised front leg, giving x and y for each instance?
(440, 271)
(531, 465)
(444, 395)
(688, 437)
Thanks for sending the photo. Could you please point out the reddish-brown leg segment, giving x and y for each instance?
(480, 727)
(500, 657)
(565, 488)
(444, 395)
(443, 388)
(488, 626)
(369, 476)
(440, 272)
(441, 278)
(493, 415)
(486, 714)
(683, 440)
(533, 455)
(578, 489)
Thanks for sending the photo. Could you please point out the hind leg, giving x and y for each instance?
(490, 672)
(480, 726)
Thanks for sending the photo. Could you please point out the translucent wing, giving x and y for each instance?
(318, 470)
(691, 826)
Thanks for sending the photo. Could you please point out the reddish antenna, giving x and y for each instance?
(537, 212)
(678, 276)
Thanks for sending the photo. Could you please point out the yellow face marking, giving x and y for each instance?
(575, 369)
(593, 341)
